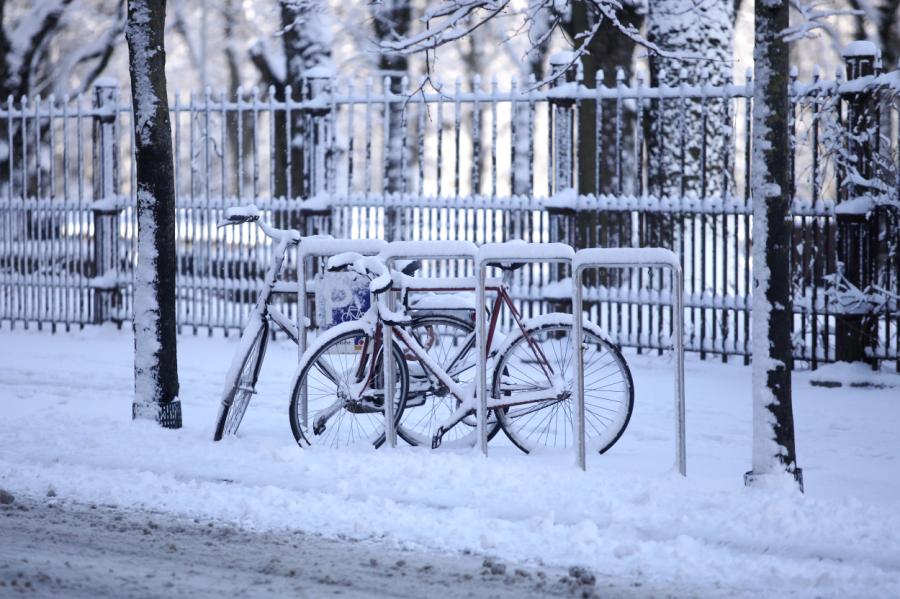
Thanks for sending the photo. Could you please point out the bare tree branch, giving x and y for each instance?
(25, 41)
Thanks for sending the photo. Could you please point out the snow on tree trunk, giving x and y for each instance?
(390, 20)
(307, 38)
(773, 422)
(532, 69)
(155, 359)
(706, 31)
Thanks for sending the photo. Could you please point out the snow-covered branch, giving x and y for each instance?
(25, 41)
(814, 16)
(99, 50)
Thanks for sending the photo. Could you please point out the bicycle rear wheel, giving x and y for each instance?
(334, 371)
(540, 423)
(240, 382)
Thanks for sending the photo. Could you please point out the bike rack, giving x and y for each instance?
(423, 250)
(320, 247)
(624, 258)
(497, 253)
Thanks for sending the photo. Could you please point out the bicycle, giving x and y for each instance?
(243, 373)
(339, 382)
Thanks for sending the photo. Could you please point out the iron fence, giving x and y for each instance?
(619, 165)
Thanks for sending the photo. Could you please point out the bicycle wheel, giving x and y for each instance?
(450, 342)
(333, 371)
(539, 423)
(240, 382)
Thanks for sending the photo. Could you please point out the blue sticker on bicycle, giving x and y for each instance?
(341, 297)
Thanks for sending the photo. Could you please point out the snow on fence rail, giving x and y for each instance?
(622, 165)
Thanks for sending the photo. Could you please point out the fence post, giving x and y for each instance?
(561, 205)
(855, 333)
(315, 216)
(105, 207)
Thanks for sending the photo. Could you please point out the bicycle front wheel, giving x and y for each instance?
(537, 407)
(344, 392)
(240, 382)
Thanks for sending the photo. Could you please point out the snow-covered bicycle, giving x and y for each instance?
(338, 393)
(243, 373)
(240, 381)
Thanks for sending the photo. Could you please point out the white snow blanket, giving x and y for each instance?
(66, 403)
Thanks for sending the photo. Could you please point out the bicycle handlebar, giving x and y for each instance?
(239, 215)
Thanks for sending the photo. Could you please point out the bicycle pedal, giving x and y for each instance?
(436, 439)
(319, 427)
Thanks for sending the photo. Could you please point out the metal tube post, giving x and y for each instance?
(390, 430)
(482, 357)
(434, 250)
(624, 258)
(678, 302)
(301, 331)
(310, 247)
(578, 328)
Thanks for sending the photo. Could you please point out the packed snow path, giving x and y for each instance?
(66, 427)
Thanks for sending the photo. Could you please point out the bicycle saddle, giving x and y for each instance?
(509, 266)
(239, 215)
(409, 268)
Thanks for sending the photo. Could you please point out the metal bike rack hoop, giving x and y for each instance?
(516, 252)
(321, 246)
(423, 250)
(627, 258)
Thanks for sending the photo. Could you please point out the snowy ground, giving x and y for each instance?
(66, 427)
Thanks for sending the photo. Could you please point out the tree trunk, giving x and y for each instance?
(532, 70)
(307, 46)
(390, 20)
(608, 52)
(773, 421)
(688, 140)
(240, 151)
(155, 359)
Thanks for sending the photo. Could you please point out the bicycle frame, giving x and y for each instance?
(286, 238)
(368, 362)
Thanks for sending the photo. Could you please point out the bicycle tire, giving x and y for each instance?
(366, 423)
(609, 388)
(418, 425)
(240, 382)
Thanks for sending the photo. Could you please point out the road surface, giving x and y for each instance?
(52, 548)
